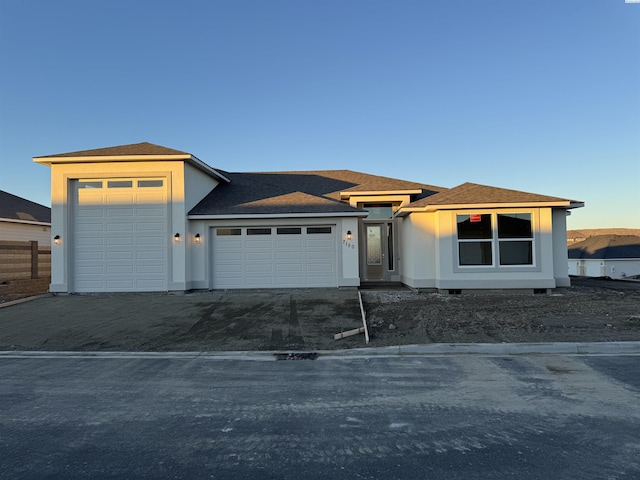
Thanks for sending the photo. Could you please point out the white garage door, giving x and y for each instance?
(120, 235)
(274, 257)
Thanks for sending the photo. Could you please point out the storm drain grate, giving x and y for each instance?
(296, 356)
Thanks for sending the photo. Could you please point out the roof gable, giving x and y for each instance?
(143, 148)
(13, 207)
(476, 194)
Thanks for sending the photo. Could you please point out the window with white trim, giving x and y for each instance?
(485, 237)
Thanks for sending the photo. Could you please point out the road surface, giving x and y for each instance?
(447, 417)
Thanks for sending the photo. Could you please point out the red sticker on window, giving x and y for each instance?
(476, 218)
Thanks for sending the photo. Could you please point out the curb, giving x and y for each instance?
(435, 349)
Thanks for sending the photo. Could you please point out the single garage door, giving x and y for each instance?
(120, 235)
(274, 257)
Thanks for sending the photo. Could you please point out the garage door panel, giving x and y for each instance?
(292, 256)
(90, 255)
(149, 269)
(118, 241)
(258, 244)
(115, 256)
(142, 226)
(88, 242)
(259, 256)
(126, 212)
(281, 260)
(259, 281)
(119, 227)
(91, 270)
(254, 268)
(128, 269)
(149, 240)
(120, 284)
(152, 255)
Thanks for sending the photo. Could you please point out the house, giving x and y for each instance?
(22, 220)
(613, 256)
(143, 217)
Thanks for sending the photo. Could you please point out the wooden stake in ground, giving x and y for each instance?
(356, 331)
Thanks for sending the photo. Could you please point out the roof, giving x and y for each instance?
(476, 194)
(20, 209)
(135, 152)
(606, 247)
(301, 192)
(143, 148)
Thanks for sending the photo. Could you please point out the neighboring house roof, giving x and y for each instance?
(484, 195)
(14, 208)
(605, 247)
(301, 192)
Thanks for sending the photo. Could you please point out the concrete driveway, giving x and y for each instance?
(205, 321)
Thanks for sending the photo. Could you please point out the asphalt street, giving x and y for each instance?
(539, 416)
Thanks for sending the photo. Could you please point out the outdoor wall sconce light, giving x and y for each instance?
(56, 239)
(197, 238)
(348, 234)
(176, 237)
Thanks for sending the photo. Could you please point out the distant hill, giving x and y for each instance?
(606, 247)
(574, 236)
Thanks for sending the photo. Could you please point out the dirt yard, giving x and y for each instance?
(591, 310)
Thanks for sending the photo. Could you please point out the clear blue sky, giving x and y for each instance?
(541, 96)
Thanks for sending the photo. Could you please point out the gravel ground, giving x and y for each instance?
(592, 310)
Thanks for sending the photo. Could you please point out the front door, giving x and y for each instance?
(378, 251)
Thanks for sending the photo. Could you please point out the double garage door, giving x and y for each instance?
(120, 235)
(273, 257)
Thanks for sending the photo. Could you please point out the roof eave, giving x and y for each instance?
(27, 222)
(478, 206)
(362, 193)
(248, 216)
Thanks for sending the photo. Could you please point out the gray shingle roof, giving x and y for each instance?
(606, 247)
(295, 192)
(473, 193)
(17, 208)
(143, 148)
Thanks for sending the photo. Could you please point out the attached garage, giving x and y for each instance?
(274, 257)
(120, 235)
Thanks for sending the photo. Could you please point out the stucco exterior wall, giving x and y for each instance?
(197, 185)
(418, 258)
(560, 252)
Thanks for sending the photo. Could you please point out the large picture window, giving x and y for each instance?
(484, 236)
